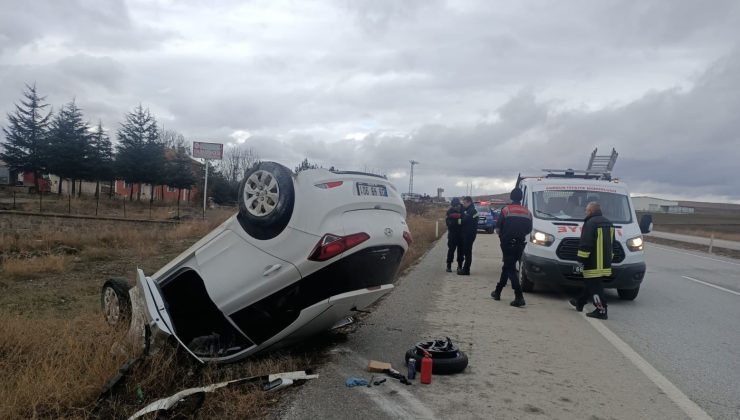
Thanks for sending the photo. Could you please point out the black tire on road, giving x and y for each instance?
(527, 285)
(266, 199)
(115, 301)
(440, 366)
(490, 231)
(628, 294)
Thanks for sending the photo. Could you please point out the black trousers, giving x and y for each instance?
(593, 291)
(454, 243)
(467, 247)
(512, 252)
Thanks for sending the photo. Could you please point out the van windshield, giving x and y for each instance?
(571, 205)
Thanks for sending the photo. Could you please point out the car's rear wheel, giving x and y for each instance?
(628, 294)
(489, 230)
(266, 198)
(115, 301)
(527, 284)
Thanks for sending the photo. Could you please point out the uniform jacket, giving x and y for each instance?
(514, 223)
(469, 222)
(595, 248)
(454, 219)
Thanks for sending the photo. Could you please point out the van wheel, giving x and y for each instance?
(266, 198)
(527, 285)
(115, 301)
(628, 294)
(489, 231)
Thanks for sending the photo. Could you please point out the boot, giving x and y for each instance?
(449, 267)
(576, 305)
(463, 272)
(518, 300)
(598, 314)
(496, 294)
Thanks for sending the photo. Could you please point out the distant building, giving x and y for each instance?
(658, 205)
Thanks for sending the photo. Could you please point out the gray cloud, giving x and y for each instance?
(475, 90)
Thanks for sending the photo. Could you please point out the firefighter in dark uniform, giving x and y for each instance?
(513, 225)
(469, 222)
(595, 252)
(454, 234)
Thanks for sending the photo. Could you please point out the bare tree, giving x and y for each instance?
(236, 160)
(172, 139)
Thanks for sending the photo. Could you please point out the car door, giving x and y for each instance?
(237, 273)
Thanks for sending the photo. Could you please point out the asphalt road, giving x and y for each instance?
(686, 329)
(721, 243)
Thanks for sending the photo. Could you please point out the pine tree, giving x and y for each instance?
(25, 147)
(306, 165)
(135, 139)
(101, 157)
(70, 152)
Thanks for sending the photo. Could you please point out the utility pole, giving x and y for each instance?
(411, 177)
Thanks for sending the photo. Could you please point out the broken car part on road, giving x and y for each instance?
(303, 253)
(269, 383)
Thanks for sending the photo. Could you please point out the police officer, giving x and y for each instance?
(454, 234)
(595, 252)
(469, 221)
(513, 225)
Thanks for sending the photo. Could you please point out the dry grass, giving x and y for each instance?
(53, 368)
(25, 268)
(422, 229)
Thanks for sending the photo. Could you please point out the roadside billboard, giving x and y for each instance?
(208, 150)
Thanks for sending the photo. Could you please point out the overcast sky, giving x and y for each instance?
(477, 91)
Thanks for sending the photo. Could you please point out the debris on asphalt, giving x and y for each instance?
(378, 367)
(380, 382)
(397, 375)
(269, 383)
(353, 382)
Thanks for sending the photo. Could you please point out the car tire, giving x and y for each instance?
(440, 366)
(628, 294)
(489, 231)
(266, 198)
(115, 301)
(527, 285)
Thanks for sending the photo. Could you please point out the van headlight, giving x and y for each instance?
(635, 244)
(542, 238)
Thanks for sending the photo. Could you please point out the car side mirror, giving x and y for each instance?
(646, 223)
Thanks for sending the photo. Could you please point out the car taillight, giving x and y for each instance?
(407, 237)
(329, 185)
(330, 245)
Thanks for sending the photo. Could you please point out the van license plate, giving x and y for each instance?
(577, 269)
(371, 189)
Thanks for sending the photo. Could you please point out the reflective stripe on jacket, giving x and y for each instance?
(595, 249)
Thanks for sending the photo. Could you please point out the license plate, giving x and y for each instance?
(371, 189)
(577, 269)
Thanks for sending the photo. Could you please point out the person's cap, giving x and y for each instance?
(516, 194)
(455, 201)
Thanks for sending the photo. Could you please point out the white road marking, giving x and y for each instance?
(692, 410)
(693, 255)
(711, 285)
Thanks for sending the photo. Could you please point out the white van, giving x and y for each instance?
(557, 201)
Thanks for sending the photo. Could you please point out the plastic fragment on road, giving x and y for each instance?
(269, 383)
(353, 382)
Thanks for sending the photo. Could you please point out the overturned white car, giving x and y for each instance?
(303, 252)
